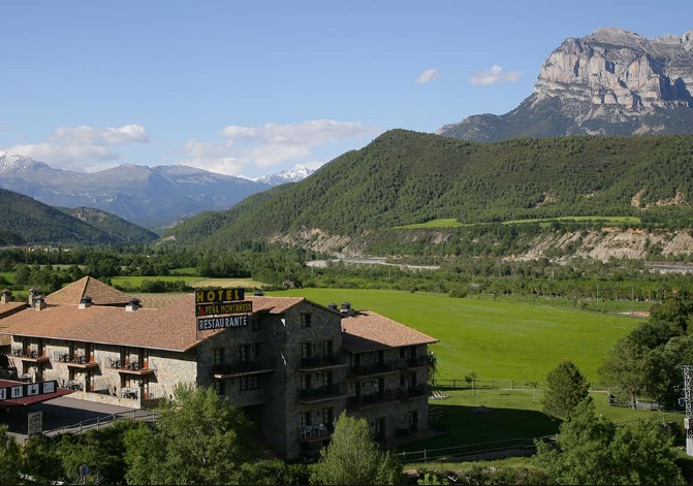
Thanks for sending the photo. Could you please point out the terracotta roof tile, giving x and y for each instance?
(100, 293)
(368, 331)
(173, 327)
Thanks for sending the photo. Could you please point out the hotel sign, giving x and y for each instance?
(210, 323)
(203, 310)
(216, 296)
(220, 302)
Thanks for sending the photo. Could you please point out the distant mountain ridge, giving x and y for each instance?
(150, 197)
(612, 82)
(26, 221)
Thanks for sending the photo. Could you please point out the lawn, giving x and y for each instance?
(496, 340)
(135, 282)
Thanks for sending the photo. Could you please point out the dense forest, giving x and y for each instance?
(404, 178)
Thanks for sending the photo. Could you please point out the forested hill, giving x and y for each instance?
(405, 177)
(27, 221)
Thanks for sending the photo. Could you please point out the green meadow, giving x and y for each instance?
(453, 223)
(498, 341)
(135, 282)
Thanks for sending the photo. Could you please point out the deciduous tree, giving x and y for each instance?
(352, 457)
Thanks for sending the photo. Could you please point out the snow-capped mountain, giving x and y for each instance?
(294, 174)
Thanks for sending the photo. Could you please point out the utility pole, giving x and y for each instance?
(688, 421)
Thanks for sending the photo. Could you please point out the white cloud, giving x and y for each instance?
(81, 148)
(495, 75)
(428, 75)
(85, 135)
(270, 145)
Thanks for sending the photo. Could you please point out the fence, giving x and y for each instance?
(465, 383)
(503, 448)
(100, 422)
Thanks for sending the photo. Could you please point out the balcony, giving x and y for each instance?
(372, 400)
(372, 370)
(317, 363)
(416, 391)
(316, 433)
(128, 367)
(320, 394)
(415, 362)
(30, 355)
(222, 371)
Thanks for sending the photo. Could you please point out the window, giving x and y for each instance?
(217, 356)
(326, 378)
(305, 382)
(255, 324)
(306, 419)
(306, 350)
(327, 348)
(256, 348)
(245, 352)
(305, 320)
(251, 382)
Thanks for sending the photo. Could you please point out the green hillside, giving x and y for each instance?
(405, 178)
(27, 221)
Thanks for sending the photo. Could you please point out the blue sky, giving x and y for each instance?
(255, 87)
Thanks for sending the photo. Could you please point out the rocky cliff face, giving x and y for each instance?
(612, 82)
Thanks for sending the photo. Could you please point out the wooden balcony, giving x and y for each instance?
(320, 394)
(127, 367)
(373, 400)
(224, 371)
(320, 363)
(30, 356)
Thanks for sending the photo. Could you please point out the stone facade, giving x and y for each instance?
(288, 368)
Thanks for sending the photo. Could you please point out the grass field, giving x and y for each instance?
(496, 340)
(453, 223)
(190, 280)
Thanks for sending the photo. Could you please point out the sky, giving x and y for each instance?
(254, 87)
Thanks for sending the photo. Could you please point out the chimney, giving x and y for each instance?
(332, 306)
(32, 295)
(85, 302)
(346, 309)
(258, 293)
(132, 305)
(39, 303)
(6, 296)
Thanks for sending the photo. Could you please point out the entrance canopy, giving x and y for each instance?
(16, 393)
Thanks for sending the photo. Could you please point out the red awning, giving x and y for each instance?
(30, 400)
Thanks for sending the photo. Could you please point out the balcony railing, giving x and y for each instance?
(30, 354)
(414, 391)
(372, 399)
(247, 367)
(415, 362)
(374, 369)
(320, 393)
(321, 361)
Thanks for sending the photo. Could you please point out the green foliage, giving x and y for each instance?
(271, 472)
(405, 178)
(199, 438)
(27, 221)
(567, 387)
(352, 457)
(592, 450)
(10, 458)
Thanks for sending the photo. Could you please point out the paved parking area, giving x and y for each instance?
(64, 412)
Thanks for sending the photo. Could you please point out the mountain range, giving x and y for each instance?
(150, 197)
(541, 160)
(612, 82)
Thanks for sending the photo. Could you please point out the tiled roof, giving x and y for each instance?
(100, 293)
(172, 327)
(368, 331)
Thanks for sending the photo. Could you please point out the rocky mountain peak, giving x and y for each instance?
(611, 82)
(620, 70)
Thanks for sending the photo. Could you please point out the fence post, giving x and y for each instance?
(425, 458)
